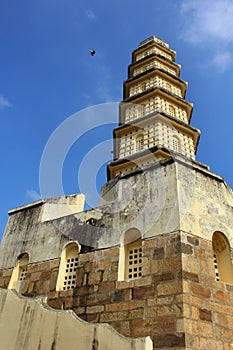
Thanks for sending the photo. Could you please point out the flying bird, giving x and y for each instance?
(92, 52)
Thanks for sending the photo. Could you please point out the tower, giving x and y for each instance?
(154, 260)
(154, 115)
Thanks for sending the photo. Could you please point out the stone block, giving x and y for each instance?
(67, 303)
(104, 263)
(222, 296)
(111, 252)
(94, 277)
(193, 240)
(190, 276)
(90, 266)
(94, 309)
(54, 264)
(150, 243)
(53, 281)
(83, 258)
(224, 334)
(66, 293)
(133, 304)
(158, 253)
(224, 320)
(146, 266)
(205, 315)
(53, 295)
(115, 316)
(7, 272)
(154, 266)
(164, 310)
(195, 315)
(55, 303)
(170, 265)
(163, 277)
(106, 287)
(183, 248)
(79, 310)
(45, 275)
(207, 344)
(94, 318)
(2, 282)
(97, 298)
(143, 292)
(200, 291)
(35, 276)
(170, 288)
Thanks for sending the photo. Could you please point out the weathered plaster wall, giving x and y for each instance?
(205, 203)
(27, 324)
(167, 197)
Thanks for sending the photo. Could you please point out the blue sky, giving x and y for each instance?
(47, 74)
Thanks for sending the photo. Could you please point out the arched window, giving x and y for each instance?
(222, 258)
(20, 272)
(139, 142)
(168, 86)
(68, 267)
(175, 143)
(172, 111)
(130, 262)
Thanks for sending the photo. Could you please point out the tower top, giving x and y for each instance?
(154, 118)
(155, 39)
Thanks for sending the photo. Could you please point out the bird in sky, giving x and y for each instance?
(92, 52)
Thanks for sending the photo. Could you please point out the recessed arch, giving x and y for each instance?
(222, 258)
(176, 143)
(139, 142)
(130, 259)
(68, 266)
(172, 110)
(19, 273)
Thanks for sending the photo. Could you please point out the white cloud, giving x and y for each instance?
(207, 20)
(32, 194)
(4, 102)
(90, 15)
(209, 23)
(222, 60)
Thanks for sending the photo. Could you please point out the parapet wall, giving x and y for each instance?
(27, 324)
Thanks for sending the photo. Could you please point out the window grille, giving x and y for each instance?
(175, 144)
(216, 268)
(70, 273)
(139, 143)
(134, 260)
(23, 273)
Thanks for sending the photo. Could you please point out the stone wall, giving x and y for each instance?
(177, 301)
(151, 305)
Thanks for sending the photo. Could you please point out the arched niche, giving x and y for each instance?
(222, 258)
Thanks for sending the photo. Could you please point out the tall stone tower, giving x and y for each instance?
(153, 261)
(154, 116)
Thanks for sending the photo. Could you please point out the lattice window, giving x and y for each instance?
(23, 273)
(175, 144)
(172, 111)
(20, 272)
(70, 273)
(139, 143)
(216, 268)
(134, 260)
(222, 258)
(68, 267)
